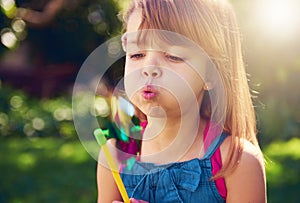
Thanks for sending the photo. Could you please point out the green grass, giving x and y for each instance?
(46, 170)
(283, 171)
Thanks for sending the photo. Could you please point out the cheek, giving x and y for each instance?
(132, 81)
(127, 68)
(194, 80)
(197, 84)
(132, 66)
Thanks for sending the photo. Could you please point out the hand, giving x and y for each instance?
(132, 200)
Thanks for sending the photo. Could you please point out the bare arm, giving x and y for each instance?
(247, 183)
(107, 188)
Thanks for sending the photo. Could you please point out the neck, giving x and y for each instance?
(172, 138)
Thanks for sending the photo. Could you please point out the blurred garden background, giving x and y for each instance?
(43, 45)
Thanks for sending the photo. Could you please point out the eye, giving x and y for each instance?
(136, 56)
(175, 59)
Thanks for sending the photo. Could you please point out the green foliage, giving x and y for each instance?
(283, 166)
(22, 116)
(46, 170)
(279, 115)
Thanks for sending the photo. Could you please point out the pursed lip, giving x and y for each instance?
(149, 92)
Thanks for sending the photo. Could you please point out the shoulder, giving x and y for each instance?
(250, 153)
(247, 182)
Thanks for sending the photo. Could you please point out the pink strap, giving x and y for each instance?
(216, 162)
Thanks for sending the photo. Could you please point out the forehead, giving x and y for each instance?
(134, 21)
(137, 36)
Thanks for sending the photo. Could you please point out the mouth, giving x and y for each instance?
(149, 92)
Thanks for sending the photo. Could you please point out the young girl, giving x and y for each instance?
(184, 71)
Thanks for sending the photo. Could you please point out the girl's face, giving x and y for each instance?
(161, 74)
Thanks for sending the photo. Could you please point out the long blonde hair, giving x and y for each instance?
(212, 25)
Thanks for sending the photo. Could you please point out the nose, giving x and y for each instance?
(152, 71)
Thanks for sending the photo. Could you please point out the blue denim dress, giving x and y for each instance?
(188, 181)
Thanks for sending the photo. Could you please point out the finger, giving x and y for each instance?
(132, 200)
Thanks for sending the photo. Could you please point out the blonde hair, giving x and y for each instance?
(212, 25)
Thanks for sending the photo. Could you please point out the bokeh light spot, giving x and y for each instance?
(18, 25)
(16, 102)
(101, 107)
(114, 49)
(8, 38)
(38, 123)
(61, 114)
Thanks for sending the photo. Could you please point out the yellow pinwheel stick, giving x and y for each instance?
(99, 135)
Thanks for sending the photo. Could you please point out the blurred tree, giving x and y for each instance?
(46, 41)
(65, 30)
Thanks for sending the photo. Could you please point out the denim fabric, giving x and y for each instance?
(188, 181)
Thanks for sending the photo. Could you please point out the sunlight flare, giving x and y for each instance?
(279, 17)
